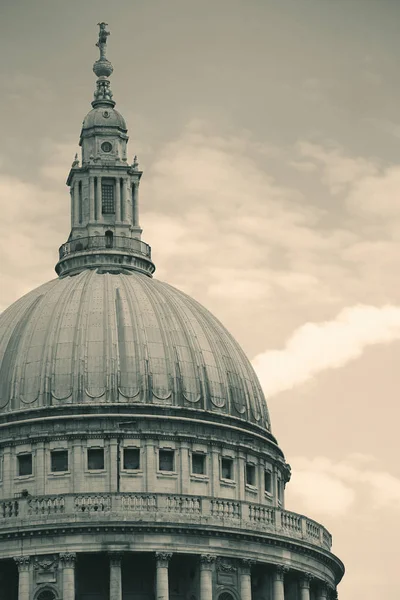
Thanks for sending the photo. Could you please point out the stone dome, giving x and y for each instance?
(104, 116)
(124, 338)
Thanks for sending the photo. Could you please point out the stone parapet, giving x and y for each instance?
(162, 508)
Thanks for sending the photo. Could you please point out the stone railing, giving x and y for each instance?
(161, 508)
(101, 242)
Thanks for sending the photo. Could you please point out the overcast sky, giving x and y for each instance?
(269, 136)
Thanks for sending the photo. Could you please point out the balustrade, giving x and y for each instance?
(169, 507)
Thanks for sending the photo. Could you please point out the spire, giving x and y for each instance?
(103, 69)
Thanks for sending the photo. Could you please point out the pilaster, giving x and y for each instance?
(23, 564)
(115, 575)
(206, 576)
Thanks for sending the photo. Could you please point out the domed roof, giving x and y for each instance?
(122, 338)
(104, 116)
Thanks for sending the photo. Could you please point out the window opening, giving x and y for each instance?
(227, 468)
(24, 464)
(109, 239)
(107, 197)
(95, 459)
(132, 458)
(166, 460)
(59, 461)
(250, 474)
(198, 463)
(268, 482)
(46, 595)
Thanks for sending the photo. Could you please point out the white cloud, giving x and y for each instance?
(324, 486)
(314, 347)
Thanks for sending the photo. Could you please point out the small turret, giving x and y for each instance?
(105, 230)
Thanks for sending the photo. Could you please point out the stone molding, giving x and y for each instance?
(246, 564)
(23, 563)
(280, 571)
(305, 581)
(162, 559)
(207, 562)
(115, 558)
(68, 559)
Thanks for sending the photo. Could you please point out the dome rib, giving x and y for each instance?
(105, 338)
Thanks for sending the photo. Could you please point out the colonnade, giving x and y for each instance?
(122, 185)
(68, 560)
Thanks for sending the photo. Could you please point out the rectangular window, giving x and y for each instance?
(268, 482)
(132, 458)
(24, 464)
(59, 461)
(250, 474)
(227, 468)
(95, 459)
(280, 490)
(198, 463)
(166, 460)
(107, 197)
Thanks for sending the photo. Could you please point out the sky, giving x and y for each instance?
(269, 136)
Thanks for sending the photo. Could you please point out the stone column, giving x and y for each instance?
(278, 583)
(322, 593)
(162, 583)
(125, 199)
(245, 579)
(115, 575)
(75, 201)
(118, 199)
(98, 199)
(305, 586)
(206, 580)
(23, 563)
(68, 574)
(91, 198)
(135, 203)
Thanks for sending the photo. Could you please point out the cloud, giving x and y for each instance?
(326, 487)
(315, 347)
(338, 171)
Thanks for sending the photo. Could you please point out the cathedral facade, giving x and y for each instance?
(137, 460)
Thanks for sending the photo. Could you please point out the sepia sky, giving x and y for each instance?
(269, 136)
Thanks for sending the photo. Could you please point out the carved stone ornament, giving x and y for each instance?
(68, 559)
(46, 563)
(23, 562)
(305, 581)
(206, 561)
(115, 558)
(247, 563)
(225, 565)
(280, 571)
(163, 558)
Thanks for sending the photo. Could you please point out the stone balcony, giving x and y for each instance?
(132, 509)
(104, 252)
(101, 242)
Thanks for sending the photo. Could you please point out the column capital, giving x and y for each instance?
(322, 591)
(68, 559)
(115, 558)
(280, 571)
(305, 580)
(206, 561)
(163, 558)
(23, 562)
(246, 564)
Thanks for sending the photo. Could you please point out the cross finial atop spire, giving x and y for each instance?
(102, 43)
(103, 69)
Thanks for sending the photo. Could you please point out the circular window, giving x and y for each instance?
(106, 147)
(106, 114)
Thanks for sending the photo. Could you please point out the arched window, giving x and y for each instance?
(46, 595)
(225, 596)
(109, 239)
(107, 196)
